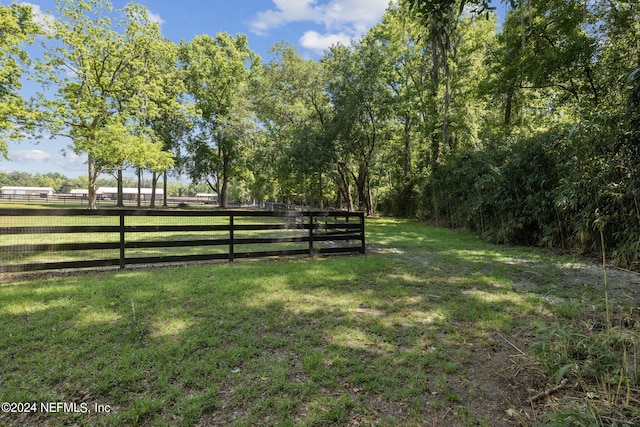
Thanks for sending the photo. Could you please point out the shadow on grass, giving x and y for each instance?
(372, 339)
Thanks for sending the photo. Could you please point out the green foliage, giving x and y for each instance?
(568, 350)
(402, 200)
(559, 152)
(546, 190)
(504, 193)
(575, 418)
(55, 180)
(63, 184)
(590, 355)
(16, 28)
(361, 101)
(527, 134)
(216, 76)
(289, 97)
(109, 69)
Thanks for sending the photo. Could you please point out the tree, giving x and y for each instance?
(441, 10)
(171, 123)
(16, 28)
(290, 99)
(418, 99)
(216, 76)
(106, 75)
(219, 156)
(361, 101)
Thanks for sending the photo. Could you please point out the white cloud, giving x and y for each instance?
(71, 162)
(30, 155)
(342, 19)
(48, 161)
(147, 16)
(155, 18)
(287, 11)
(313, 40)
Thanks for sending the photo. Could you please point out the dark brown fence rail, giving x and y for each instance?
(47, 239)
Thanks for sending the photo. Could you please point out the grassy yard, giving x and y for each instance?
(431, 327)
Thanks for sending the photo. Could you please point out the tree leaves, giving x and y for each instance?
(111, 73)
(217, 77)
(16, 28)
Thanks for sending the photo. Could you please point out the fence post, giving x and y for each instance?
(362, 247)
(311, 251)
(230, 237)
(122, 242)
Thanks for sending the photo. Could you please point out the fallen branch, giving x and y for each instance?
(549, 391)
(512, 345)
(446, 413)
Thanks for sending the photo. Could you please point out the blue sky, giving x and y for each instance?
(310, 25)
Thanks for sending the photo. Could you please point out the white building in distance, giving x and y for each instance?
(9, 191)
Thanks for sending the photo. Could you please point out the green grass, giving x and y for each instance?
(24, 257)
(383, 339)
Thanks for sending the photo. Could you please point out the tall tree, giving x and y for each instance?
(16, 28)
(546, 62)
(106, 74)
(172, 122)
(361, 100)
(440, 19)
(419, 100)
(216, 75)
(443, 22)
(290, 99)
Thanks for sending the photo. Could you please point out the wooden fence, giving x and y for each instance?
(47, 239)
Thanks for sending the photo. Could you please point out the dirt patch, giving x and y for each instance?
(623, 285)
(506, 378)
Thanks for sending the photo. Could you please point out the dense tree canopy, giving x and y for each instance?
(526, 132)
(217, 76)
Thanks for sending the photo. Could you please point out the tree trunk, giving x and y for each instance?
(226, 161)
(154, 182)
(447, 106)
(321, 195)
(346, 187)
(508, 106)
(139, 186)
(435, 151)
(120, 202)
(363, 193)
(223, 193)
(164, 192)
(93, 188)
(372, 210)
(407, 147)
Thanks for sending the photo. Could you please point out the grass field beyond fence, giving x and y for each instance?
(44, 239)
(432, 327)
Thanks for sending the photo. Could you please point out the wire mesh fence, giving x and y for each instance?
(43, 239)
